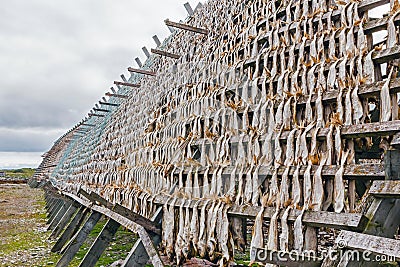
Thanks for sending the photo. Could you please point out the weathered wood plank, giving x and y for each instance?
(100, 244)
(138, 256)
(353, 131)
(283, 258)
(96, 115)
(144, 72)
(353, 171)
(386, 55)
(186, 27)
(127, 84)
(144, 236)
(120, 210)
(72, 227)
(77, 241)
(117, 95)
(374, 244)
(109, 104)
(63, 222)
(165, 54)
(59, 216)
(100, 110)
(352, 221)
(385, 189)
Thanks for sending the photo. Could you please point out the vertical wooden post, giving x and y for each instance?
(72, 227)
(59, 215)
(101, 243)
(63, 222)
(77, 241)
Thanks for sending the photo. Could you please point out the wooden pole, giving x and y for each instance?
(101, 243)
(127, 84)
(75, 243)
(117, 95)
(96, 115)
(72, 227)
(186, 27)
(63, 222)
(101, 110)
(108, 104)
(165, 54)
(59, 216)
(144, 72)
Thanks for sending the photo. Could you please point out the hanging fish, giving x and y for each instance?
(284, 237)
(339, 186)
(298, 232)
(296, 189)
(318, 188)
(257, 235)
(386, 103)
(358, 111)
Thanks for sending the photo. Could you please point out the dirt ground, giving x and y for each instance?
(23, 236)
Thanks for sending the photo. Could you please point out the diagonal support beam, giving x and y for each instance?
(63, 222)
(59, 216)
(101, 243)
(139, 256)
(122, 211)
(186, 27)
(72, 227)
(165, 54)
(77, 241)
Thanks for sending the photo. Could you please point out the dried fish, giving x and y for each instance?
(298, 232)
(318, 187)
(358, 111)
(257, 236)
(296, 189)
(194, 227)
(203, 226)
(284, 237)
(339, 187)
(386, 104)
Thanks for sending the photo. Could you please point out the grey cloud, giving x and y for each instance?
(58, 58)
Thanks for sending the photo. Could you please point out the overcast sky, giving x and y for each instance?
(57, 58)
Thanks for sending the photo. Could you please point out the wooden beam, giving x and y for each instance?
(117, 95)
(186, 27)
(165, 54)
(386, 55)
(59, 216)
(122, 211)
(72, 227)
(100, 244)
(374, 244)
(353, 171)
(78, 240)
(101, 110)
(283, 258)
(144, 236)
(63, 222)
(96, 115)
(144, 72)
(138, 255)
(351, 221)
(127, 84)
(385, 189)
(109, 104)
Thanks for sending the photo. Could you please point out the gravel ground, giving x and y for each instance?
(23, 236)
